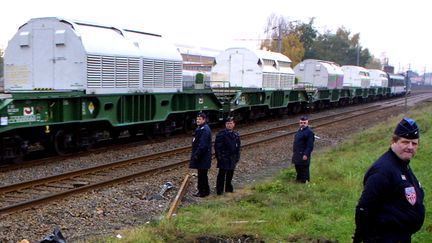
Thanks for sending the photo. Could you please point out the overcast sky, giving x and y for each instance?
(399, 30)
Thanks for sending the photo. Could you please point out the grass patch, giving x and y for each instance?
(281, 210)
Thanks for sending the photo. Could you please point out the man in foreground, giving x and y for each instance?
(391, 207)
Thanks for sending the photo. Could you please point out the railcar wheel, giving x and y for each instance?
(89, 143)
(185, 125)
(63, 142)
(296, 109)
(132, 132)
(114, 134)
(18, 150)
(18, 156)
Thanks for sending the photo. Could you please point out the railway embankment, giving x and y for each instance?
(279, 210)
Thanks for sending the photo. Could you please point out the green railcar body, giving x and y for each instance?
(40, 109)
(46, 110)
(70, 120)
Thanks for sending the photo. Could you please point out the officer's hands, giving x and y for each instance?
(361, 222)
(305, 157)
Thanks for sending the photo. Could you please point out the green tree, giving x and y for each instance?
(281, 31)
(293, 48)
(276, 27)
(375, 63)
(340, 48)
(308, 34)
(301, 41)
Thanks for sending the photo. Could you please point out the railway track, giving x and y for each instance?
(40, 191)
(127, 143)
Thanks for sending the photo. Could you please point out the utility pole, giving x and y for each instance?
(406, 92)
(358, 55)
(280, 39)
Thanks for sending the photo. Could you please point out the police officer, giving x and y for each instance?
(227, 150)
(302, 148)
(201, 154)
(391, 207)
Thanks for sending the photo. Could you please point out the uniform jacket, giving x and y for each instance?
(392, 199)
(201, 148)
(227, 149)
(303, 145)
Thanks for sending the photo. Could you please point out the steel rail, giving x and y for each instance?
(70, 175)
(28, 164)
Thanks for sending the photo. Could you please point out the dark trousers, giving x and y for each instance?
(224, 179)
(303, 173)
(203, 185)
(390, 237)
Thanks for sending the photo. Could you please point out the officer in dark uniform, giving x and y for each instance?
(227, 150)
(201, 154)
(391, 207)
(302, 148)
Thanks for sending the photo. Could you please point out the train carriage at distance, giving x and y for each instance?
(256, 83)
(397, 84)
(357, 79)
(379, 81)
(327, 80)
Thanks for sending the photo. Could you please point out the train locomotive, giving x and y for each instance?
(69, 84)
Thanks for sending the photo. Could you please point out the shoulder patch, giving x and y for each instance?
(411, 195)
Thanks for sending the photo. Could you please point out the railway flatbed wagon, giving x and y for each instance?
(358, 94)
(251, 103)
(73, 120)
(261, 83)
(381, 92)
(377, 93)
(323, 98)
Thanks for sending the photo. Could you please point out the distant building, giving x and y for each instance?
(196, 60)
(418, 80)
(388, 69)
(414, 77)
(427, 77)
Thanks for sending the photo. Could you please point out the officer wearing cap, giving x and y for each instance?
(227, 151)
(391, 207)
(302, 148)
(201, 154)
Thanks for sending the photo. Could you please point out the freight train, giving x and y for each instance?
(69, 84)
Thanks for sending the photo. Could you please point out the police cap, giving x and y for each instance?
(229, 119)
(202, 115)
(407, 128)
(304, 118)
